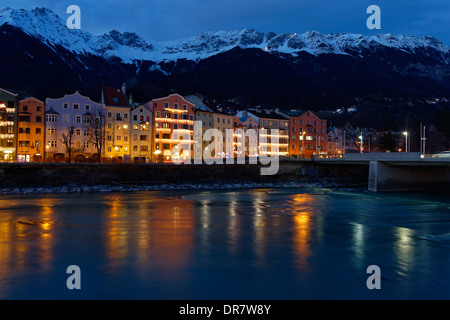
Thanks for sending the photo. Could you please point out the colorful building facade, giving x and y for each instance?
(141, 134)
(70, 116)
(9, 104)
(173, 113)
(118, 124)
(308, 136)
(31, 136)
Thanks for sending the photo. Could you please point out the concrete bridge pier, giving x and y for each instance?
(386, 176)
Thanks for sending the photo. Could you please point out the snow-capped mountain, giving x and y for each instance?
(40, 56)
(48, 27)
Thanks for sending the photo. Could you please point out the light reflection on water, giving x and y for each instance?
(255, 244)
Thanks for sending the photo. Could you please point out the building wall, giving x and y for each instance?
(170, 113)
(207, 119)
(141, 134)
(8, 125)
(282, 125)
(223, 122)
(118, 130)
(308, 136)
(72, 112)
(31, 136)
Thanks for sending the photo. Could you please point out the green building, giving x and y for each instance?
(9, 103)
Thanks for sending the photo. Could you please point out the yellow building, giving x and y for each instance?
(118, 125)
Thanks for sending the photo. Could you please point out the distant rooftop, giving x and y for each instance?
(114, 97)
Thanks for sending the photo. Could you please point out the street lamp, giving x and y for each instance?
(406, 140)
(361, 144)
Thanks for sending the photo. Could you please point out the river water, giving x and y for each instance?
(249, 244)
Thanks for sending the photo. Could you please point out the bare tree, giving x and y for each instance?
(67, 140)
(96, 131)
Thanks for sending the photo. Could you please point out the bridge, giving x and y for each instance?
(390, 172)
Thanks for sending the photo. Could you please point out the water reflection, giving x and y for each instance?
(404, 250)
(158, 234)
(302, 208)
(26, 241)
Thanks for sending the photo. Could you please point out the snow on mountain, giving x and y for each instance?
(48, 27)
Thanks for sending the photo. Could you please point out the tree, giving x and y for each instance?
(96, 131)
(67, 140)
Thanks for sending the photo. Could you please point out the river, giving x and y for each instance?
(247, 244)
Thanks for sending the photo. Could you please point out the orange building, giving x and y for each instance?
(31, 136)
(172, 113)
(307, 136)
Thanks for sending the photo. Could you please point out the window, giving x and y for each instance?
(109, 149)
(143, 138)
(175, 126)
(38, 119)
(125, 116)
(166, 136)
(38, 143)
(109, 138)
(52, 118)
(87, 119)
(135, 137)
(25, 108)
(166, 125)
(24, 144)
(175, 116)
(293, 137)
(85, 132)
(38, 131)
(109, 114)
(135, 148)
(78, 132)
(118, 116)
(309, 138)
(24, 118)
(78, 119)
(52, 132)
(78, 144)
(86, 144)
(176, 106)
(76, 106)
(125, 138)
(66, 106)
(65, 118)
(119, 138)
(135, 117)
(125, 127)
(166, 105)
(39, 108)
(144, 148)
(157, 147)
(88, 107)
(166, 146)
(109, 126)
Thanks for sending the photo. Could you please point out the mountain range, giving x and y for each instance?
(39, 55)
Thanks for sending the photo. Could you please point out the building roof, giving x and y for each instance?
(114, 97)
(51, 111)
(264, 115)
(199, 104)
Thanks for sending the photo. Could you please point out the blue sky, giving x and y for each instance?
(173, 19)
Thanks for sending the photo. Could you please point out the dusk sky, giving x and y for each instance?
(173, 19)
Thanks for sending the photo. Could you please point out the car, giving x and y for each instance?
(441, 155)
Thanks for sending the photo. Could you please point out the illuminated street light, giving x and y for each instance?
(406, 140)
(361, 144)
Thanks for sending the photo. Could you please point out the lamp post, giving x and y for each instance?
(361, 143)
(406, 141)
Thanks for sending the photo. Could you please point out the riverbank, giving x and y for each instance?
(80, 178)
